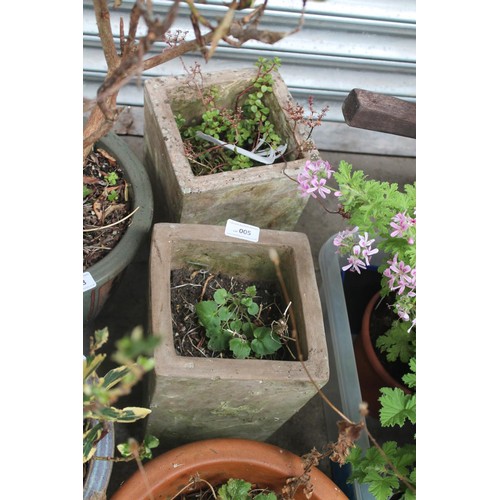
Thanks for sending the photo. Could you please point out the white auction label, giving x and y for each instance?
(243, 231)
(88, 282)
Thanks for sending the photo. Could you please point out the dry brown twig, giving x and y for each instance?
(132, 61)
(349, 431)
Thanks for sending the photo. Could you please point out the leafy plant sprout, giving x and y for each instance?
(232, 489)
(247, 125)
(382, 218)
(101, 393)
(244, 126)
(232, 322)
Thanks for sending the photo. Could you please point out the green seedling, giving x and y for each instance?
(232, 322)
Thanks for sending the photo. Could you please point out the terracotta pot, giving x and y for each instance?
(372, 373)
(216, 461)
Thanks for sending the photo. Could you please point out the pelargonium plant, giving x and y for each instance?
(382, 220)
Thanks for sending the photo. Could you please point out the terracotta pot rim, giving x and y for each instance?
(370, 350)
(215, 460)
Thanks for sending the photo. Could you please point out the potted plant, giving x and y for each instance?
(231, 468)
(121, 239)
(198, 398)
(217, 145)
(382, 220)
(100, 394)
(103, 111)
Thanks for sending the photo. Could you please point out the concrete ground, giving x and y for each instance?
(128, 307)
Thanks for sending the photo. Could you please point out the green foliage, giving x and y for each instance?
(243, 127)
(372, 204)
(230, 321)
(398, 342)
(373, 468)
(238, 489)
(101, 393)
(111, 178)
(86, 191)
(113, 196)
(144, 452)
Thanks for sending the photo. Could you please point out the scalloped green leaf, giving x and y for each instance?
(396, 407)
(240, 348)
(234, 489)
(264, 342)
(221, 295)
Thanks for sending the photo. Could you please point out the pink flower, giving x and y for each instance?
(401, 223)
(354, 263)
(312, 178)
(319, 187)
(367, 250)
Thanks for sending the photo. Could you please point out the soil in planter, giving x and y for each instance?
(188, 287)
(105, 206)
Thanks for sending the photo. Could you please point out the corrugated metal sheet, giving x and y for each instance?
(342, 45)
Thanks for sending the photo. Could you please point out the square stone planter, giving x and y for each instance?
(262, 195)
(195, 398)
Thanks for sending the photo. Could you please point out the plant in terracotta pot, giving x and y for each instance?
(224, 469)
(100, 394)
(118, 215)
(382, 220)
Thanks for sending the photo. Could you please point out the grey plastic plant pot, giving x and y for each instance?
(99, 471)
(343, 387)
(108, 270)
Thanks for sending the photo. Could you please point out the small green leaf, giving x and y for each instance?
(251, 291)
(266, 496)
(90, 439)
(124, 415)
(224, 313)
(235, 325)
(253, 309)
(207, 313)
(114, 376)
(234, 489)
(221, 295)
(240, 348)
(219, 341)
(264, 342)
(396, 407)
(381, 486)
(151, 441)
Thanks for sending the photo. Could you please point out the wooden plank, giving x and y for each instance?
(382, 113)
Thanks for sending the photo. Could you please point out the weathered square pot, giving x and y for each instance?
(262, 195)
(200, 398)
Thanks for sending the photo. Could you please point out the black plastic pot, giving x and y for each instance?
(108, 270)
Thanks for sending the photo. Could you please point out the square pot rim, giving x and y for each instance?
(169, 363)
(188, 181)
